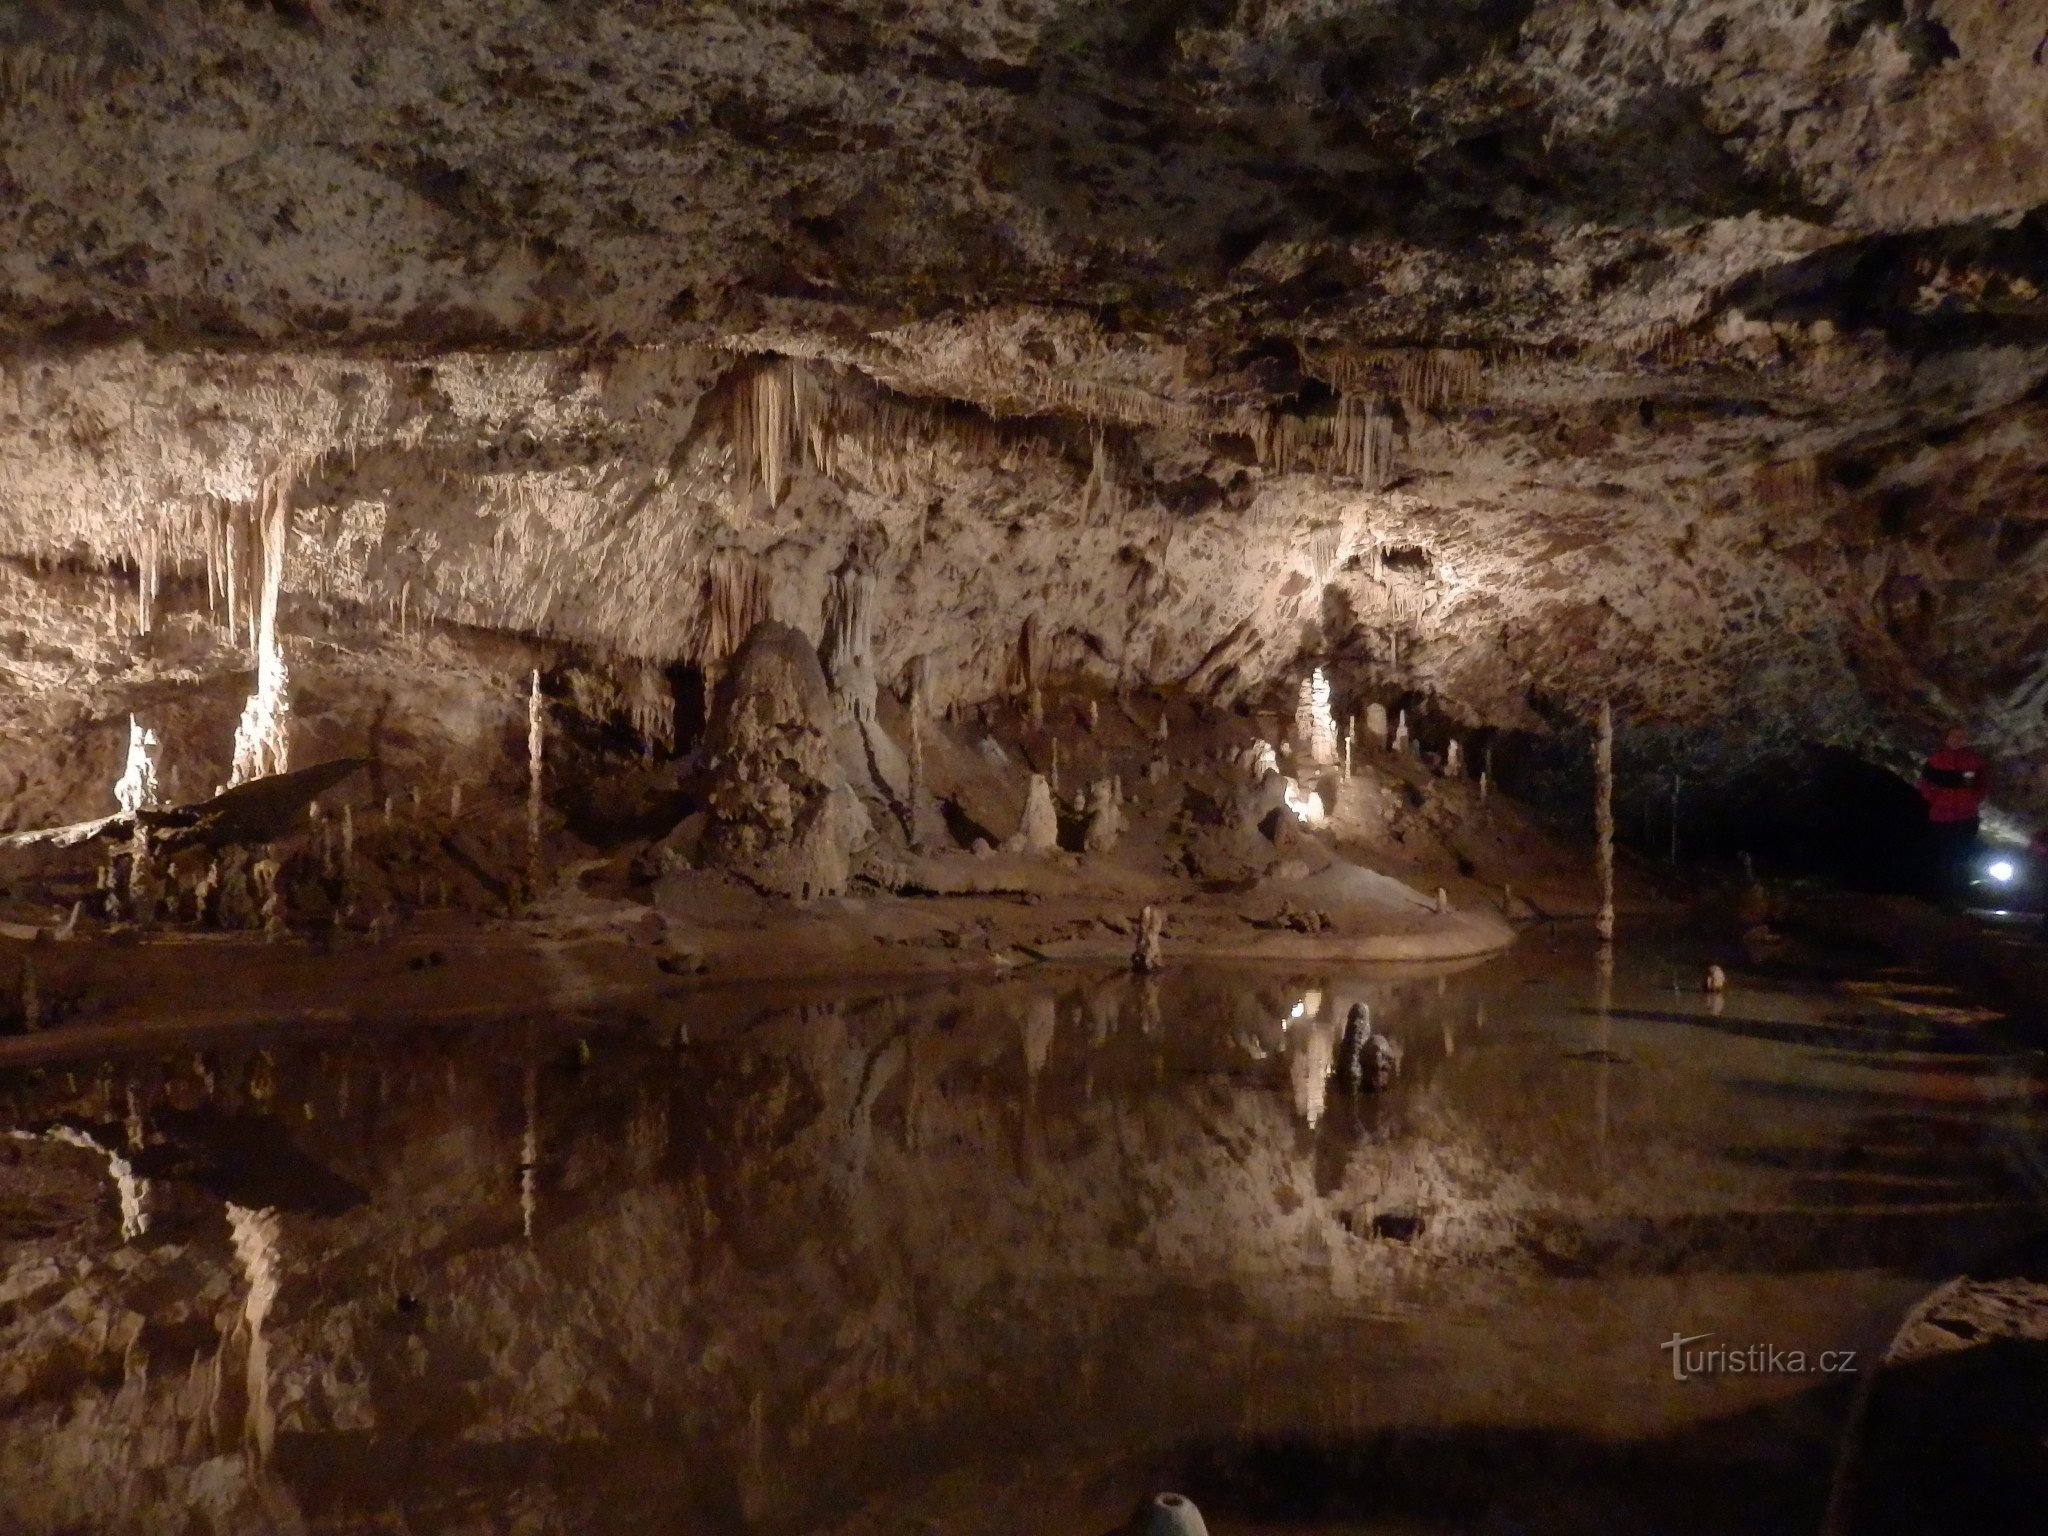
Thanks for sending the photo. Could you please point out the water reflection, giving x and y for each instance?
(744, 1267)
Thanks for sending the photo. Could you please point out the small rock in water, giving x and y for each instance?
(1168, 1514)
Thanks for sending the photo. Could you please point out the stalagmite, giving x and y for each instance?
(1376, 724)
(1350, 745)
(1040, 830)
(1094, 714)
(536, 751)
(1454, 759)
(136, 789)
(1603, 818)
(263, 738)
(1149, 955)
(1315, 727)
(143, 885)
(1400, 741)
(1105, 817)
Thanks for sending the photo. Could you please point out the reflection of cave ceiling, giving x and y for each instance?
(1687, 351)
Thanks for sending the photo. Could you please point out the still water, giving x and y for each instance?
(999, 1257)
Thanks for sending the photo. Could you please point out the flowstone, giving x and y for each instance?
(781, 813)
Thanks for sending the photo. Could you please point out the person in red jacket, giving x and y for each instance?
(1952, 783)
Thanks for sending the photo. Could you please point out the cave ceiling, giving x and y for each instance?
(1508, 352)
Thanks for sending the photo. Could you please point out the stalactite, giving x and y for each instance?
(1421, 378)
(847, 651)
(734, 601)
(1025, 663)
(1325, 547)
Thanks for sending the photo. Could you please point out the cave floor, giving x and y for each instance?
(1001, 1253)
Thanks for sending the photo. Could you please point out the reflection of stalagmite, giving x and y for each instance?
(136, 789)
(1370, 1060)
(1311, 1057)
(263, 738)
(1040, 1023)
(1104, 1004)
(1315, 727)
(255, 1237)
(133, 1191)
